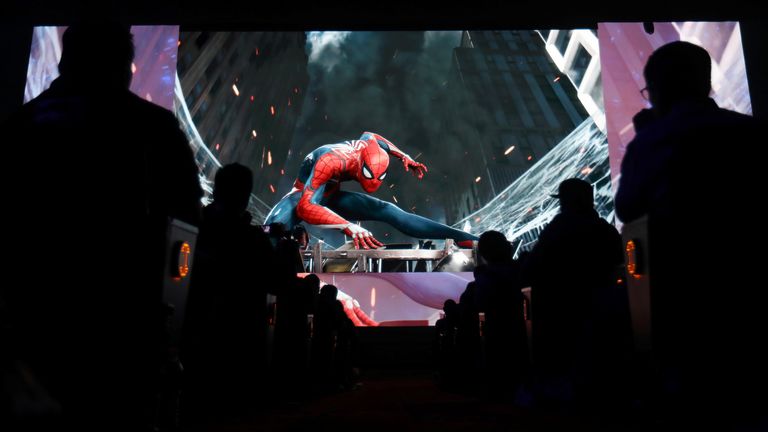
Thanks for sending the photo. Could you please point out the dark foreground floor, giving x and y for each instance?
(397, 401)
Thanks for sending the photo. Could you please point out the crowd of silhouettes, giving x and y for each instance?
(84, 325)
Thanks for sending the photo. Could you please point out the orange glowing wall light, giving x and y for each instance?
(182, 264)
(632, 260)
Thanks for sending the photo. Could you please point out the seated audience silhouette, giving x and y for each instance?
(498, 295)
(679, 170)
(573, 271)
(98, 171)
(226, 321)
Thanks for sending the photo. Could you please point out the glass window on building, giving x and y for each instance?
(211, 70)
(197, 90)
(198, 117)
(202, 39)
(579, 66)
(561, 40)
(531, 40)
(501, 62)
(596, 92)
(215, 86)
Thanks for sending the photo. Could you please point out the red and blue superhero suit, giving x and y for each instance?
(317, 198)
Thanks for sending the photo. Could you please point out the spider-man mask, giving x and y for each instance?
(373, 166)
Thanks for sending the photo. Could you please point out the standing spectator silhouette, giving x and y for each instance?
(226, 325)
(575, 300)
(498, 295)
(671, 172)
(98, 172)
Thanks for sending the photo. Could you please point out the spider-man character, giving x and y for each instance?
(316, 197)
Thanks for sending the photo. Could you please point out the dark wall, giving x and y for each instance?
(13, 68)
(15, 25)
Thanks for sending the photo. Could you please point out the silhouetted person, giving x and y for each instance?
(468, 336)
(97, 173)
(498, 295)
(446, 352)
(573, 270)
(225, 329)
(701, 240)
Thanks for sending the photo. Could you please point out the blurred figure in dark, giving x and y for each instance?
(445, 347)
(468, 335)
(295, 323)
(573, 271)
(498, 295)
(706, 350)
(98, 172)
(226, 320)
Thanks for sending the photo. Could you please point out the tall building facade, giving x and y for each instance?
(576, 53)
(244, 93)
(515, 106)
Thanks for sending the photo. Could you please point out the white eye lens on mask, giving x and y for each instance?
(382, 176)
(367, 173)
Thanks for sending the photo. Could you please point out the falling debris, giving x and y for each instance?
(586, 170)
(530, 157)
(392, 185)
(394, 198)
(269, 157)
(252, 98)
(282, 172)
(218, 146)
(235, 90)
(272, 109)
(254, 134)
(557, 78)
(133, 68)
(477, 180)
(272, 188)
(509, 150)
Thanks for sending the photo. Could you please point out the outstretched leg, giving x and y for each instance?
(357, 206)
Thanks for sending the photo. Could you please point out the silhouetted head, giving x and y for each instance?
(312, 282)
(450, 308)
(301, 236)
(575, 194)
(374, 162)
(97, 54)
(232, 188)
(329, 292)
(494, 247)
(677, 71)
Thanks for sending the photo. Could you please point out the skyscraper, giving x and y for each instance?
(244, 92)
(516, 105)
